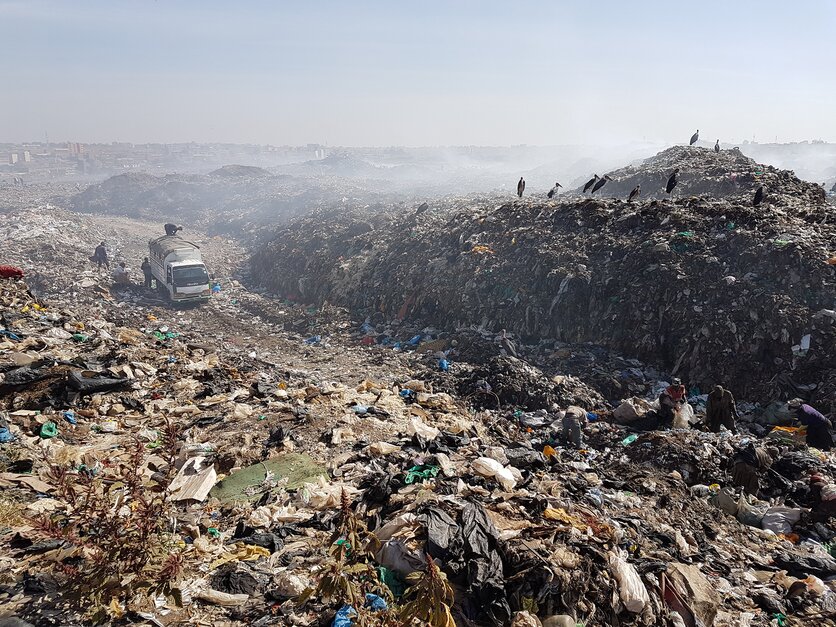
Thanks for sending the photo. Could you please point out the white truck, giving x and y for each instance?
(178, 267)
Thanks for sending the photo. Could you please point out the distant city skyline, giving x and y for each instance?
(417, 74)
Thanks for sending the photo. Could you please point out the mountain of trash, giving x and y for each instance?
(709, 287)
(703, 172)
(157, 471)
(230, 199)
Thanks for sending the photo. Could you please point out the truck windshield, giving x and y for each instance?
(188, 276)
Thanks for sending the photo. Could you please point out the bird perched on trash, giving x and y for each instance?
(717, 146)
(671, 181)
(590, 183)
(521, 187)
(553, 190)
(758, 196)
(695, 137)
(421, 208)
(601, 182)
(506, 344)
(636, 191)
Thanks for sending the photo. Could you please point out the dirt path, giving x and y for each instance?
(52, 245)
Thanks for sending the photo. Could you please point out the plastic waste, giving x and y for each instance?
(69, 416)
(630, 587)
(422, 430)
(629, 439)
(749, 514)
(314, 340)
(780, 519)
(374, 602)
(49, 430)
(443, 365)
(344, 616)
(488, 467)
(5, 435)
(421, 472)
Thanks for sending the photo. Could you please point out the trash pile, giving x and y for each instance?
(231, 199)
(707, 287)
(153, 477)
(726, 174)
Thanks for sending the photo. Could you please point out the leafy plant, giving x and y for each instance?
(351, 572)
(116, 528)
(428, 601)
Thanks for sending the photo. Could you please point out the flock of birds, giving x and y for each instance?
(597, 182)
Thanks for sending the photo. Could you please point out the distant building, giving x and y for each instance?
(27, 157)
(13, 158)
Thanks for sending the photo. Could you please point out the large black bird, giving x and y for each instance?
(758, 196)
(601, 183)
(421, 208)
(553, 190)
(590, 183)
(695, 137)
(717, 146)
(671, 181)
(636, 191)
(521, 187)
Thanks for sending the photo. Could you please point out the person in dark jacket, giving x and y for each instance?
(721, 410)
(818, 426)
(100, 256)
(146, 271)
(749, 464)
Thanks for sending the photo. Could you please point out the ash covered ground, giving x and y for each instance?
(375, 384)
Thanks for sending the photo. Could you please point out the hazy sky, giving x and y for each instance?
(417, 73)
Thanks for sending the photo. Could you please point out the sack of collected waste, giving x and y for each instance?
(780, 519)
(630, 410)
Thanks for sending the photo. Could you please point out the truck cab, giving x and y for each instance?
(178, 267)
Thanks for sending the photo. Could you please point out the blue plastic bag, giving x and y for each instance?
(344, 616)
(375, 602)
(443, 365)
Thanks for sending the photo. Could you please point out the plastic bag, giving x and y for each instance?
(725, 502)
(780, 519)
(630, 587)
(488, 467)
(683, 417)
(749, 514)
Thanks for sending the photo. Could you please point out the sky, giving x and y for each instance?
(417, 73)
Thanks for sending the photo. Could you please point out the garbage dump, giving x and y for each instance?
(708, 286)
(307, 467)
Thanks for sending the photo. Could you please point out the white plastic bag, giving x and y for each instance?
(488, 467)
(630, 587)
(780, 519)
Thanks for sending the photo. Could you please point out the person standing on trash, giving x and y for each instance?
(573, 422)
(749, 464)
(721, 410)
(171, 229)
(146, 272)
(818, 425)
(671, 400)
(100, 256)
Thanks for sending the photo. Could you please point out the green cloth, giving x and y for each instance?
(421, 472)
(49, 430)
(392, 580)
